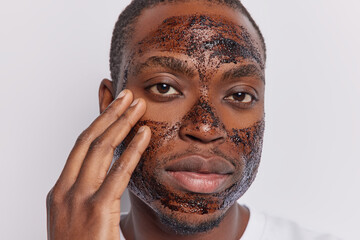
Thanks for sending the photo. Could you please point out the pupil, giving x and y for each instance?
(239, 96)
(163, 88)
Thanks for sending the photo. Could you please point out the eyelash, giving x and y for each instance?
(243, 96)
(154, 89)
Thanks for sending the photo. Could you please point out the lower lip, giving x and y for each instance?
(199, 182)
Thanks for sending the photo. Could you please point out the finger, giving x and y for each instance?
(101, 151)
(118, 178)
(97, 127)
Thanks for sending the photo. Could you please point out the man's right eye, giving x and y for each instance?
(163, 89)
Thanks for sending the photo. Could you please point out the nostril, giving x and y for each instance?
(204, 138)
(192, 137)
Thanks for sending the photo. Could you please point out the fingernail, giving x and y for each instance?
(141, 129)
(121, 94)
(134, 102)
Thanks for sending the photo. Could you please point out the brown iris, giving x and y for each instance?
(240, 96)
(163, 88)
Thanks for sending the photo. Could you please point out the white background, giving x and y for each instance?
(54, 54)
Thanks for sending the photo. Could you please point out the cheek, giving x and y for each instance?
(161, 135)
(249, 140)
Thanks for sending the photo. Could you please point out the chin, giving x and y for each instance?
(189, 223)
(185, 219)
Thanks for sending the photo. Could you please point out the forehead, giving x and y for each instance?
(201, 35)
(174, 25)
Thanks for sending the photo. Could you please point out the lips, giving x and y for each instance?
(199, 174)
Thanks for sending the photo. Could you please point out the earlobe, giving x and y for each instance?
(106, 94)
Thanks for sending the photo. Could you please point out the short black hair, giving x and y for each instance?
(125, 25)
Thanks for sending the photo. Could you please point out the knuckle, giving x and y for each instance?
(123, 168)
(127, 122)
(128, 118)
(76, 200)
(97, 144)
(85, 137)
(134, 149)
(128, 172)
(97, 206)
(50, 197)
(118, 114)
(138, 153)
(112, 110)
(53, 198)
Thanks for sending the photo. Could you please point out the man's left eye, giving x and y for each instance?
(240, 97)
(163, 89)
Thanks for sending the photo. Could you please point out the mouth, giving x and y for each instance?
(199, 174)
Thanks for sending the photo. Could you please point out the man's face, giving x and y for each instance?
(201, 73)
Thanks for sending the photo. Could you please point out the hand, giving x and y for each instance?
(85, 201)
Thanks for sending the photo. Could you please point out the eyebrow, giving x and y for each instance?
(247, 70)
(170, 63)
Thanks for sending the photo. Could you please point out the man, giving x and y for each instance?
(183, 118)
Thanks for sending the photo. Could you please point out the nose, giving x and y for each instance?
(202, 125)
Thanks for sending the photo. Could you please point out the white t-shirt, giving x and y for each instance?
(265, 227)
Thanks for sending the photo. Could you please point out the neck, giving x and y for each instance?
(143, 223)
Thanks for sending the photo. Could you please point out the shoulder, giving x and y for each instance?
(265, 227)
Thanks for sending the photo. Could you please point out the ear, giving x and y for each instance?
(106, 94)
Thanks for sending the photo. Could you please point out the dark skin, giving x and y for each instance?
(213, 98)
